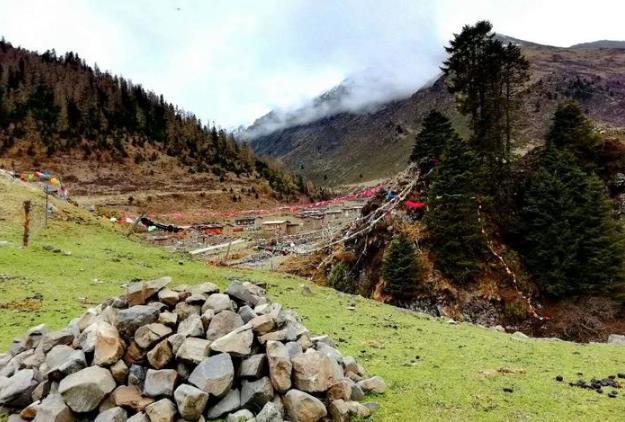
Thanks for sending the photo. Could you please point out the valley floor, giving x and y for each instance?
(433, 369)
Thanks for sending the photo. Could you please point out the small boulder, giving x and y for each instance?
(238, 342)
(84, 390)
(230, 403)
(214, 375)
(53, 409)
(302, 407)
(160, 382)
(373, 385)
(269, 413)
(263, 324)
(138, 293)
(279, 366)
(183, 310)
(130, 397)
(218, 302)
(253, 366)
(160, 355)
(191, 401)
(119, 370)
(128, 320)
(62, 360)
(191, 327)
(168, 297)
(17, 390)
(616, 339)
(222, 324)
(163, 410)
(109, 347)
(150, 334)
(315, 372)
(242, 415)
(255, 394)
(193, 349)
(168, 318)
(114, 414)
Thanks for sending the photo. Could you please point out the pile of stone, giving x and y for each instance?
(186, 353)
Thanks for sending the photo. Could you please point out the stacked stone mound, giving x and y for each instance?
(183, 354)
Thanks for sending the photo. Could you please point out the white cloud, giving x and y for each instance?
(230, 61)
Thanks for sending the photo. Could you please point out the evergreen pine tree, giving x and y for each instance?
(453, 228)
(573, 130)
(401, 269)
(431, 140)
(572, 243)
(342, 279)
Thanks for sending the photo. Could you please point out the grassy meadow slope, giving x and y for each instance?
(433, 369)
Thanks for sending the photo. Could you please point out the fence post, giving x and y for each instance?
(26, 223)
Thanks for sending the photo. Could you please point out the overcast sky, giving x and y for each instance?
(230, 61)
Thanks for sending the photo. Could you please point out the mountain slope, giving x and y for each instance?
(432, 368)
(104, 133)
(350, 147)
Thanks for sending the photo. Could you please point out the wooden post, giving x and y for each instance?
(228, 251)
(45, 211)
(26, 223)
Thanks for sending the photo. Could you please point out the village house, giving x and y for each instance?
(293, 228)
(277, 227)
(353, 211)
(313, 222)
(333, 215)
(247, 221)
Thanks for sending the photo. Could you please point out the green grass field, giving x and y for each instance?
(434, 370)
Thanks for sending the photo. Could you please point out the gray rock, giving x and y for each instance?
(193, 349)
(34, 335)
(138, 293)
(279, 366)
(168, 318)
(238, 342)
(17, 390)
(191, 401)
(222, 324)
(302, 407)
(84, 390)
(230, 403)
(128, 320)
(616, 339)
(293, 348)
(53, 409)
(163, 410)
(160, 355)
(253, 366)
(150, 334)
(255, 394)
(175, 341)
(330, 351)
(357, 393)
(191, 327)
(115, 414)
(206, 317)
(62, 360)
(168, 297)
(129, 396)
(242, 415)
(206, 288)
(119, 370)
(109, 347)
(136, 375)
(218, 302)
(314, 371)
(214, 375)
(247, 313)
(55, 338)
(160, 382)
(196, 299)
(243, 293)
(269, 413)
(138, 417)
(183, 310)
(340, 390)
(263, 324)
(373, 385)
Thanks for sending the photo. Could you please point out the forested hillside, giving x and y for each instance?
(57, 107)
